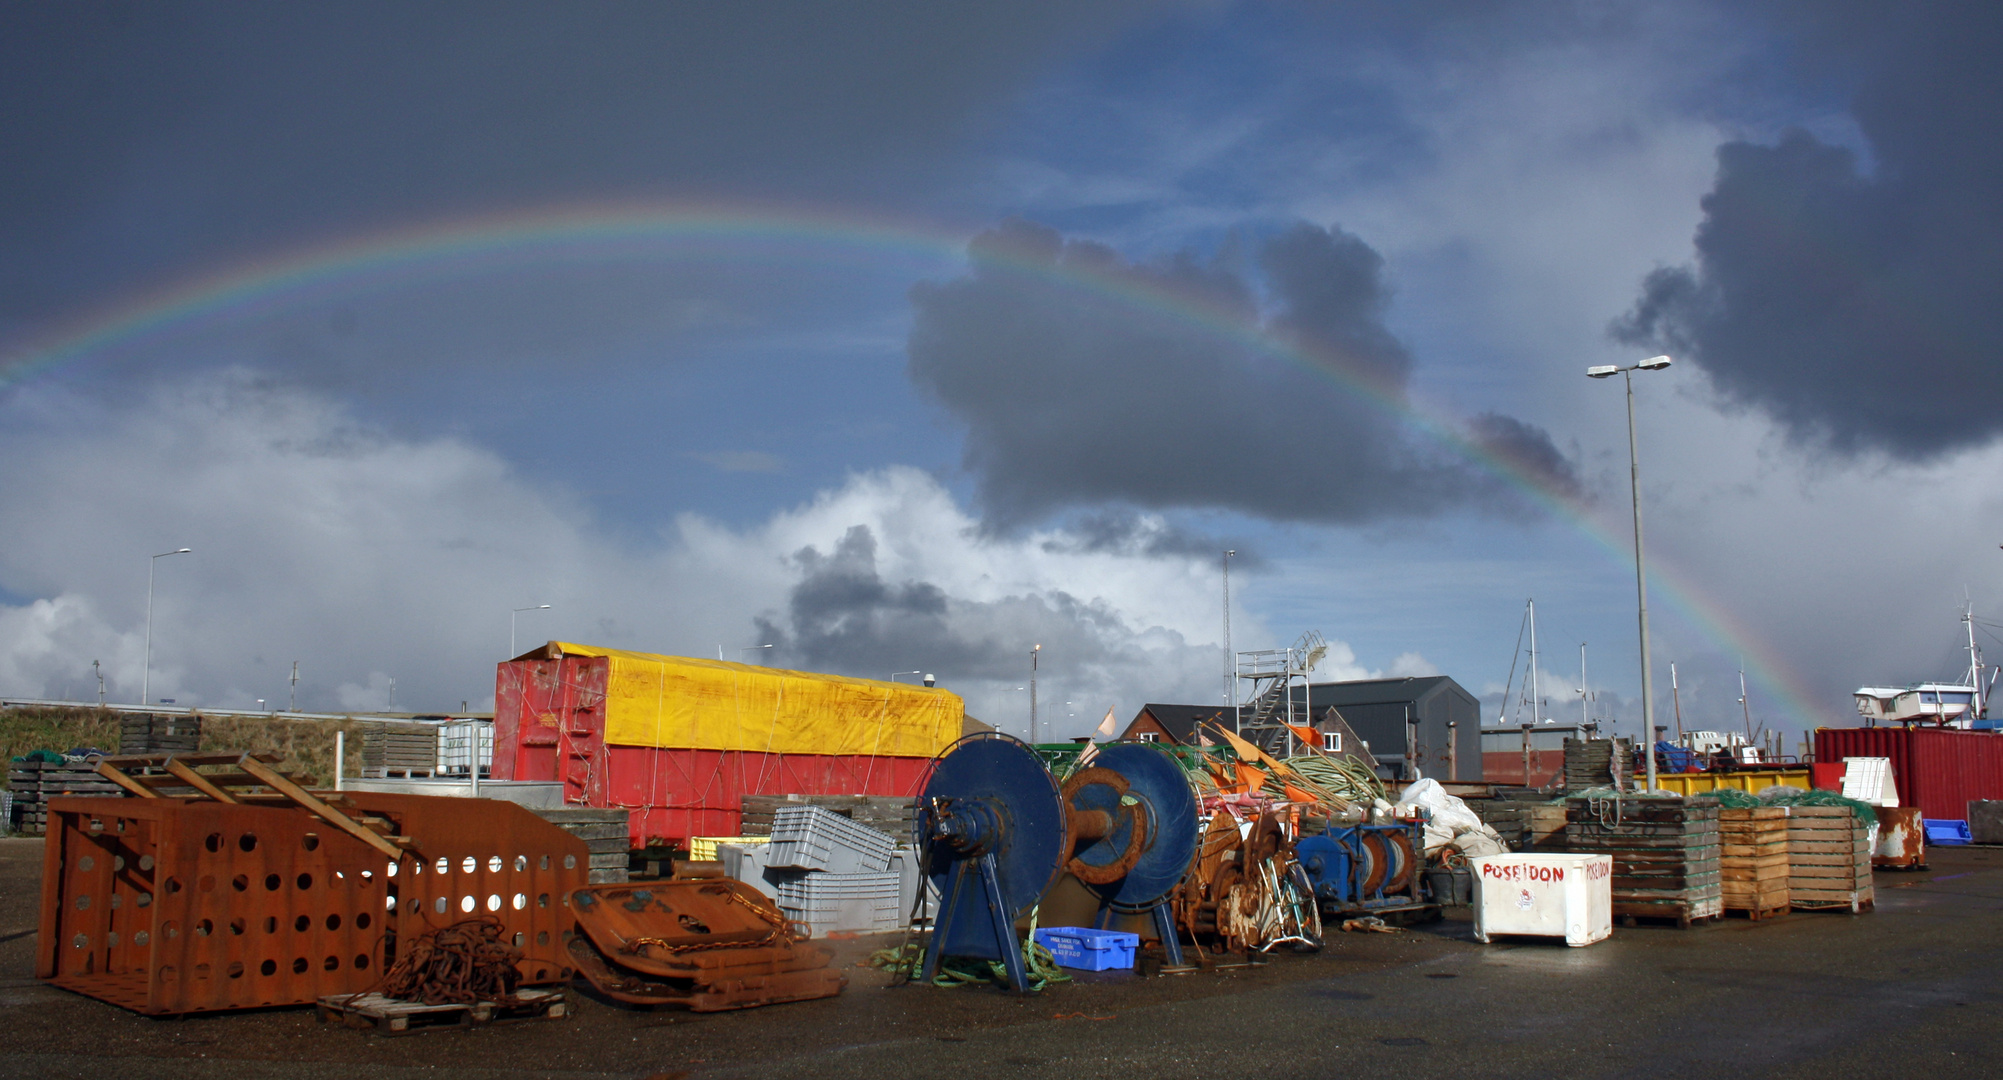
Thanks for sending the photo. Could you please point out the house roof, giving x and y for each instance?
(1180, 720)
(1378, 691)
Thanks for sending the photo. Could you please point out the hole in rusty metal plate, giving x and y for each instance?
(305, 881)
(86, 864)
(269, 967)
(214, 841)
(311, 841)
(248, 841)
(361, 963)
(239, 883)
(332, 963)
(272, 882)
(299, 966)
(235, 970)
(334, 922)
(303, 923)
(362, 921)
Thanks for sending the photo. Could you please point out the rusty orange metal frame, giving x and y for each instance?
(263, 893)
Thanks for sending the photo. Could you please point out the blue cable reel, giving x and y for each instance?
(1130, 833)
(991, 832)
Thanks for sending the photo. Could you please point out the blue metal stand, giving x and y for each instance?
(999, 921)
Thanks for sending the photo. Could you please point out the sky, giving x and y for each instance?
(888, 339)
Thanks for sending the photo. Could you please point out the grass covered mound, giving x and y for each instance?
(304, 746)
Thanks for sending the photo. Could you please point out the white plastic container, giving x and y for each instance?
(1568, 896)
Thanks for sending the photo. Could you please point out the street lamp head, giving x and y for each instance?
(1653, 362)
(1601, 371)
(181, 551)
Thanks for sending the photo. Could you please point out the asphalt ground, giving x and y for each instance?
(1910, 990)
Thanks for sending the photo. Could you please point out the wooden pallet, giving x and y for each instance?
(392, 1016)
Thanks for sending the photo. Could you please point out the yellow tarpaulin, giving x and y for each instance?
(681, 701)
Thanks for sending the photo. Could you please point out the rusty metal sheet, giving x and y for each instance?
(708, 944)
(170, 906)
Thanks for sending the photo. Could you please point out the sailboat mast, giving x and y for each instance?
(1534, 718)
(1978, 706)
(1584, 716)
(1676, 699)
(1745, 708)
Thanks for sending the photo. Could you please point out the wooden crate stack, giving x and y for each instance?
(886, 813)
(159, 733)
(1524, 826)
(1591, 763)
(1828, 860)
(34, 783)
(1665, 854)
(398, 750)
(1753, 860)
(604, 832)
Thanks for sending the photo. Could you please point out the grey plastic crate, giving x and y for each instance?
(814, 838)
(826, 903)
(905, 861)
(749, 863)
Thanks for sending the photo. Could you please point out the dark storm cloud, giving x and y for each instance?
(1074, 397)
(1529, 450)
(141, 137)
(1127, 532)
(1859, 301)
(843, 616)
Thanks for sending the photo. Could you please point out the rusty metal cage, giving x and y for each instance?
(231, 899)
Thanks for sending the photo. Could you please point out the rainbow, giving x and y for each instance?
(461, 247)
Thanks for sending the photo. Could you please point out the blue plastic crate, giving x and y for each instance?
(1946, 831)
(1089, 950)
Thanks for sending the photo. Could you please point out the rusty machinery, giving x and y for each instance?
(707, 943)
(1246, 892)
(995, 831)
(236, 889)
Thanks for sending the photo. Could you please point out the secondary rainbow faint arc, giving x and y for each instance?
(635, 231)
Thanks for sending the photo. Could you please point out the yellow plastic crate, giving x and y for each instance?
(703, 848)
(1701, 783)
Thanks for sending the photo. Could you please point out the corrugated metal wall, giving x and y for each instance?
(1937, 769)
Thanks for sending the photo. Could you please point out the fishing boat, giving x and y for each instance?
(1960, 704)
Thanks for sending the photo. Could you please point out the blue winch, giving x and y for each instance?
(1365, 869)
(995, 831)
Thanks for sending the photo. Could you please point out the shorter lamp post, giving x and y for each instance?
(146, 676)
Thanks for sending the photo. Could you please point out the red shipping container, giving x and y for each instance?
(550, 721)
(1936, 769)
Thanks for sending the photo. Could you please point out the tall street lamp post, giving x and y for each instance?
(1654, 363)
(146, 676)
(1230, 658)
(512, 615)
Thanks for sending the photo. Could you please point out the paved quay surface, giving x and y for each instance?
(1910, 990)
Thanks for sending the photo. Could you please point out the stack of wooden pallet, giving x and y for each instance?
(1591, 763)
(604, 832)
(1665, 854)
(34, 783)
(1752, 863)
(1524, 826)
(159, 733)
(885, 813)
(399, 750)
(1828, 860)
